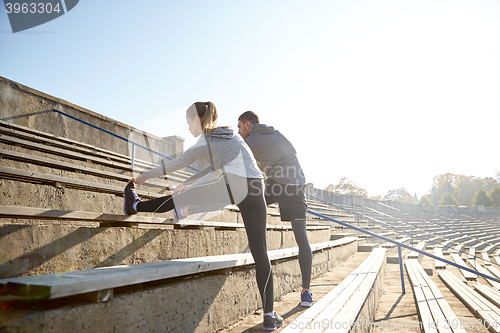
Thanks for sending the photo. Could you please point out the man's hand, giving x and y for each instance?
(179, 188)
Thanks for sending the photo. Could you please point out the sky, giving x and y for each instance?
(387, 93)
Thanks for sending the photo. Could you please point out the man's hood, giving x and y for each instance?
(261, 128)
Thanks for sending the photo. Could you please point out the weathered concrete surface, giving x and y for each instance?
(16, 193)
(201, 304)
(42, 247)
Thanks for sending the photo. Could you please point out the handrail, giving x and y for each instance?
(122, 138)
(396, 228)
(399, 244)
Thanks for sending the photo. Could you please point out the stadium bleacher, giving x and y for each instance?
(71, 261)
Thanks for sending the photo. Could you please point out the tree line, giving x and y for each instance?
(446, 189)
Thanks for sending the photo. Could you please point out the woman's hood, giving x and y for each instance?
(222, 133)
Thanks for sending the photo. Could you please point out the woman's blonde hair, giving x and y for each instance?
(207, 112)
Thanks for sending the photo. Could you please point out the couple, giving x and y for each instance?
(234, 177)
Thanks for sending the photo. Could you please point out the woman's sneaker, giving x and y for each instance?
(272, 322)
(130, 199)
(306, 298)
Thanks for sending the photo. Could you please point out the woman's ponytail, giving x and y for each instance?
(207, 112)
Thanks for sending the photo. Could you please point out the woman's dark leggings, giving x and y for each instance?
(248, 195)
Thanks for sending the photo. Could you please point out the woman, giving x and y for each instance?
(233, 177)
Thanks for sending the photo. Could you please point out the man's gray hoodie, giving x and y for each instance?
(275, 155)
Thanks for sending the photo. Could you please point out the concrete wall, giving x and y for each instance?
(205, 303)
(38, 247)
(34, 109)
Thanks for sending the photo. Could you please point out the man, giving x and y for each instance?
(285, 185)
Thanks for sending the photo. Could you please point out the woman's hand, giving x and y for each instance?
(139, 180)
(179, 188)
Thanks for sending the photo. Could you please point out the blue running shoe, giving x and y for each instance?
(272, 322)
(306, 298)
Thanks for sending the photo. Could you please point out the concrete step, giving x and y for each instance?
(341, 235)
(367, 247)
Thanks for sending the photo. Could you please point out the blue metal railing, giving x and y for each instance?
(399, 244)
(409, 233)
(134, 144)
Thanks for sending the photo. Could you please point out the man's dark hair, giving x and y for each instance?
(249, 116)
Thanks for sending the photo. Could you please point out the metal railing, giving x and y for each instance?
(409, 233)
(134, 144)
(399, 244)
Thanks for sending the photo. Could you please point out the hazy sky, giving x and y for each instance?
(387, 93)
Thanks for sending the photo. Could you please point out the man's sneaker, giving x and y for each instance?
(130, 198)
(306, 298)
(272, 322)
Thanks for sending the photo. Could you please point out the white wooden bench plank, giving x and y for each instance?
(350, 311)
(37, 177)
(443, 304)
(484, 271)
(74, 146)
(328, 306)
(458, 248)
(491, 294)
(438, 264)
(436, 312)
(335, 299)
(467, 275)
(424, 311)
(63, 152)
(81, 155)
(466, 293)
(77, 282)
(491, 319)
(416, 255)
(435, 302)
(79, 168)
(44, 135)
(486, 258)
(455, 286)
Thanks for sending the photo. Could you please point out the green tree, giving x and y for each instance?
(441, 184)
(401, 195)
(464, 188)
(490, 183)
(495, 196)
(448, 199)
(481, 199)
(424, 200)
(346, 186)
